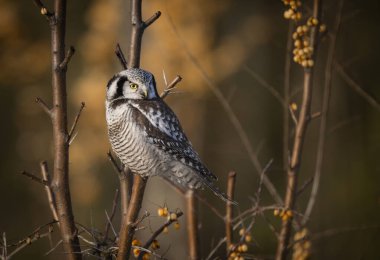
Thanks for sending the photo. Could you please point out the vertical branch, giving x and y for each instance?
(127, 230)
(192, 225)
(128, 225)
(60, 180)
(229, 209)
(325, 108)
(288, 59)
(299, 138)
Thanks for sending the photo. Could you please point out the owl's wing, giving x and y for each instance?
(164, 131)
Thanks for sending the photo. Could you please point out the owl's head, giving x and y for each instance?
(132, 83)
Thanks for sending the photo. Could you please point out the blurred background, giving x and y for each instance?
(228, 38)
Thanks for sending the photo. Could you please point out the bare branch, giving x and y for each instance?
(43, 10)
(168, 222)
(65, 62)
(70, 136)
(299, 138)
(46, 177)
(127, 229)
(266, 85)
(152, 19)
(356, 87)
(192, 225)
(229, 209)
(35, 178)
(120, 55)
(171, 86)
(109, 220)
(44, 106)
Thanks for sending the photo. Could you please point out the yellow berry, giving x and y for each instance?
(248, 238)
(304, 64)
(136, 242)
(241, 231)
(44, 11)
(294, 106)
(136, 252)
(310, 63)
(172, 216)
(176, 225)
(298, 16)
(155, 245)
(299, 30)
(295, 35)
(146, 256)
(322, 28)
(297, 43)
(289, 212)
(276, 212)
(314, 21)
(166, 230)
(244, 248)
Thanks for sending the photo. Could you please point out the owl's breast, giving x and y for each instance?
(129, 141)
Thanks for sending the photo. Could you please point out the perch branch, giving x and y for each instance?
(299, 138)
(127, 229)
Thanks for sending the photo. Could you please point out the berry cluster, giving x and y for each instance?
(302, 245)
(284, 214)
(292, 13)
(239, 249)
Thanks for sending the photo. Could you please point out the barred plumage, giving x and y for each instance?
(147, 136)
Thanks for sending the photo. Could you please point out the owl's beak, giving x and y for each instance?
(145, 93)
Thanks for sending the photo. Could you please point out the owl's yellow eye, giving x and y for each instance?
(133, 86)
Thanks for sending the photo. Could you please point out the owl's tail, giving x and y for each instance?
(218, 192)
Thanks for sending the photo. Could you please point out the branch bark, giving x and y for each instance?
(192, 225)
(129, 218)
(229, 209)
(60, 180)
(299, 138)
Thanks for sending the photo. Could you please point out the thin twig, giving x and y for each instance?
(44, 106)
(50, 195)
(229, 208)
(120, 55)
(171, 86)
(69, 55)
(152, 19)
(35, 178)
(168, 222)
(43, 10)
(325, 108)
(356, 87)
(109, 220)
(192, 225)
(266, 85)
(73, 127)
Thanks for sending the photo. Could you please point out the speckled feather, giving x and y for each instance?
(147, 136)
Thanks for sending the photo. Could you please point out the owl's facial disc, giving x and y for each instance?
(132, 83)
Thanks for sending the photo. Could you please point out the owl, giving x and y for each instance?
(146, 134)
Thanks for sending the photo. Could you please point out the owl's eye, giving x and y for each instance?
(133, 86)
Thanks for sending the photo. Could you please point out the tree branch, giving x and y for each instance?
(120, 55)
(299, 138)
(109, 220)
(70, 136)
(35, 178)
(65, 62)
(50, 195)
(44, 106)
(229, 209)
(127, 229)
(192, 225)
(171, 86)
